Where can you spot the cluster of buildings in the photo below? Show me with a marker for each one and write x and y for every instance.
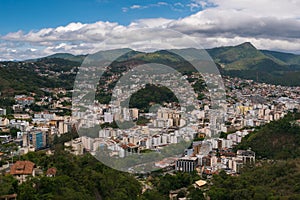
(248, 104)
(34, 130)
(209, 160)
(35, 136)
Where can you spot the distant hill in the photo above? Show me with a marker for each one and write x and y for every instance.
(288, 58)
(63, 56)
(68, 56)
(245, 57)
(29, 76)
(244, 61)
(276, 140)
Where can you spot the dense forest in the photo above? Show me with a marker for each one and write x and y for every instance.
(276, 140)
(78, 177)
(268, 180)
(151, 94)
(83, 177)
(25, 77)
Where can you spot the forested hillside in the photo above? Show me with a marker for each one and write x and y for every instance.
(276, 140)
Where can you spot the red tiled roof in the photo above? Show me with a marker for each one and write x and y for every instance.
(25, 99)
(22, 168)
(124, 146)
(51, 171)
(131, 145)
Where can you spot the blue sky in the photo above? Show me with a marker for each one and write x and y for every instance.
(37, 28)
(29, 15)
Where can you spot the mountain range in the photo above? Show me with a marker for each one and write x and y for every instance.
(241, 57)
(244, 61)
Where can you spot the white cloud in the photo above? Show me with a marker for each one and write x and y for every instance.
(199, 4)
(178, 4)
(268, 24)
(150, 23)
(135, 6)
(162, 3)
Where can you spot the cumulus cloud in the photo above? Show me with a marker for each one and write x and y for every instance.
(72, 32)
(267, 24)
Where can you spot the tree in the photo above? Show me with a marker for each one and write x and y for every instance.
(13, 132)
(153, 195)
(195, 194)
(9, 185)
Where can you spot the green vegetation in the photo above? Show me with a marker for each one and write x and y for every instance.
(7, 103)
(169, 182)
(8, 185)
(236, 57)
(150, 95)
(109, 125)
(277, 175)
(25, 77)
(83, 177)
(276, 140)
(285, 57)
(72, 134)
(68, 56)
(245, 61)
(78, 177)
(163, 184)
(142, 121)
(13, 132)
(288, 78)
(274, 180)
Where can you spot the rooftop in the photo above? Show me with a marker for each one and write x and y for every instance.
(22, 168)
(51, 171)
(200, 183)
(188, 158)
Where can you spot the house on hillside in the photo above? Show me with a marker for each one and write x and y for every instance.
(9, 197)
(22, 169)
(1, 154)
(4, 122)
(2, 111)
(24, 100)
(51, 172)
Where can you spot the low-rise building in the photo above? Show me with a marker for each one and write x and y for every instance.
(4, 122)
(186, 164)
(22, 169)
(51, 172)
(75, 146)
(247, 156)
(2, 111)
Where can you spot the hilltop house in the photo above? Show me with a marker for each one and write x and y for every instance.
(22, 169)
(4, 122)
(51, 172)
